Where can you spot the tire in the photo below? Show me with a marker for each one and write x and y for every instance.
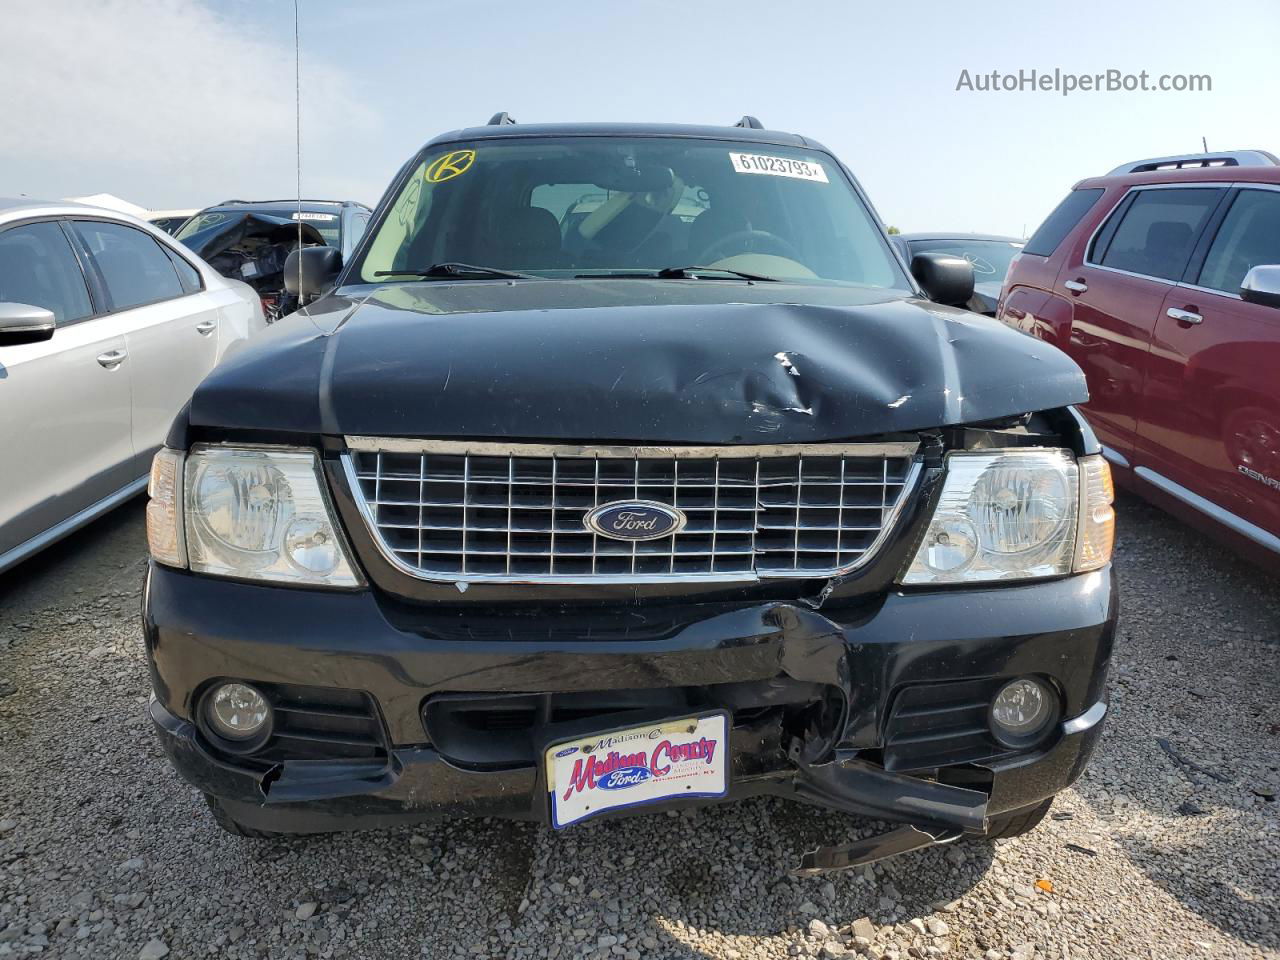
(1018, 822)
(233, 826)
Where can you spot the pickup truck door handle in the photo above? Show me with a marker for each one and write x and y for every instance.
(1187, 317)
(112, 358)
(1076, 286)
(206, 327)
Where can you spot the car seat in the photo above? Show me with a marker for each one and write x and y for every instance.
(528, 239)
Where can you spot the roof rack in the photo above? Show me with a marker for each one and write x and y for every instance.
(502, 119)
(338, 203)
(750, 122)
(1191, 161)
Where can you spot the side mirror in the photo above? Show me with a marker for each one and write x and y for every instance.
(1262, 285)
(23, 323)
(946, 279)
(309, 272)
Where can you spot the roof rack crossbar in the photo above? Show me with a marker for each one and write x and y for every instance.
(749, 122)
(502, 119)
(1193, 161)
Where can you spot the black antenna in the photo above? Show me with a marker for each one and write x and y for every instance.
(297, 113)
(502, 119)
(1204, 143)
(750, 122)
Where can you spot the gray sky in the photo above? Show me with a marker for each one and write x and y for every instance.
(171, 104)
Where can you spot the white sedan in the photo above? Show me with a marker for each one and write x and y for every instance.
(106, 328)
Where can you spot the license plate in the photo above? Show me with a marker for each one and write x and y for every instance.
(645, 764)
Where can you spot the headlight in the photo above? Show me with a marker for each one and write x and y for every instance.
(262, 514)
(1012, 515)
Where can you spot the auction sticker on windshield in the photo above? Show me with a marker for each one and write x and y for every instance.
(778, 167)
(646, 764)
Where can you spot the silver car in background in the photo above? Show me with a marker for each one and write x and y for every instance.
(106, 327)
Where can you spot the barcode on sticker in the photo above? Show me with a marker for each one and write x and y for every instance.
(778, 167)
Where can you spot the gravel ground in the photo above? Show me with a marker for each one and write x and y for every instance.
(104, 853)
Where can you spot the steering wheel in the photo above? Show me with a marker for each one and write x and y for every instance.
(749, 241)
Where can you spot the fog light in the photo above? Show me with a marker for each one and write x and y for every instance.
(1021, 711)
(237, 711)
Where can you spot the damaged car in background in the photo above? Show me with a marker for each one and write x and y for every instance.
(250, 241)
(556, 509)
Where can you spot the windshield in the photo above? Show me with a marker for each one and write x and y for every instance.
(593, 206)
(990, 258)
(168, 224)
(327, 223)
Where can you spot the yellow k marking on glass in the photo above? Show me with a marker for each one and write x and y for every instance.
(451, 165)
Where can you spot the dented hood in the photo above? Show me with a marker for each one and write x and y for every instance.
(681, 361)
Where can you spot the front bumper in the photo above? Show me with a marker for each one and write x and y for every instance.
(835, 676)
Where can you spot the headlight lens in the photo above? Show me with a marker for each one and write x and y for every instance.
(261, 513)
(1017, 509)
(1003, 515)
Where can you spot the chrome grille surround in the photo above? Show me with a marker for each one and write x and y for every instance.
(467, 511)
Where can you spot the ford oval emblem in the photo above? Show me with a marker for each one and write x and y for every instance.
(624, 777)
(635, 520)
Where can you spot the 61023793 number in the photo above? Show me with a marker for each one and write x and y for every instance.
(778, 167)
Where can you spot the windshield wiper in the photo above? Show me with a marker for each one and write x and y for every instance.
(682, 273)
(677, 273)
(452, 268)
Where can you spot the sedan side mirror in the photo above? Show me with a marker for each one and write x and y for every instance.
(23, 323)
(1262, 285)
(311, 271)
(946, 279)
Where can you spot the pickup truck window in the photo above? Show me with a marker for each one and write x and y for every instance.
(572, 207)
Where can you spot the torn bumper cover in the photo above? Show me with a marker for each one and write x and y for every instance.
(815, 701)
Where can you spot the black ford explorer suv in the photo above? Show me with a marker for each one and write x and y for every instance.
(627, 467)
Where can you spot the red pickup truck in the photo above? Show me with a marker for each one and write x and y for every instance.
(1162, 281)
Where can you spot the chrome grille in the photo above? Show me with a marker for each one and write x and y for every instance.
(458, 510)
